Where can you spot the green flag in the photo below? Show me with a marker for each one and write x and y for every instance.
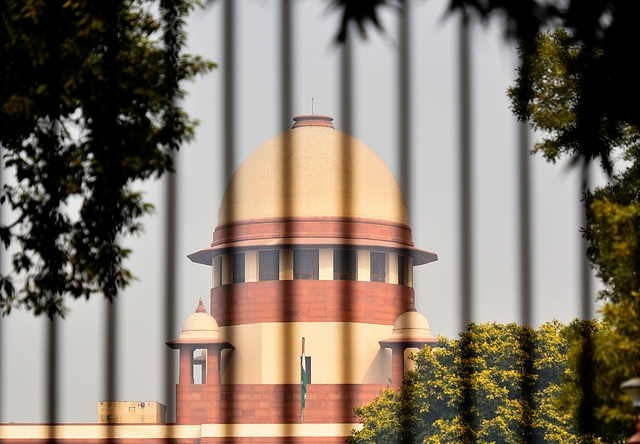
(303, 381)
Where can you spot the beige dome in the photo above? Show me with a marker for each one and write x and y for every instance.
(411, 325)
(200, 325)
(313, 171)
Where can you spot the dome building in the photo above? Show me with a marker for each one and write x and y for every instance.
(313, 241)
(312, 274)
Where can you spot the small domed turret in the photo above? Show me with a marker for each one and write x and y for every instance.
(200, 325)
(412, 325)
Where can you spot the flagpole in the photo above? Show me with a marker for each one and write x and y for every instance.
(303, 382)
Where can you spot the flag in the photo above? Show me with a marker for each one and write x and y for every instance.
(303, 381)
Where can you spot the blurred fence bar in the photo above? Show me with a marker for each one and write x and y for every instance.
(229, 98)
(585, 270)
(404, 100)
(52, 372)
(466, 176)
(526, 301)
(171, 215)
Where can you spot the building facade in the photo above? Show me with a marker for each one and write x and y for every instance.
(313, 245)
(312, 242)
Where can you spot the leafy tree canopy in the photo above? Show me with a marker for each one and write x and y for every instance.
(549, 95)
(87, 107)
(577, 86)
(427, 408)
(607, 29)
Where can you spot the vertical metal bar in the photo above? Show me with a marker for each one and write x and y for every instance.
(2, 253)
(404, 105)
(346, 101)
(229, 143)
(526, 342)
(286, 110)
(229, 90)
(404, 134)
(171, 38)
(286, 65)
(466, 239)
(2, 361)
(111, 342)
(585, 270)
(466, 210)
(170, 287)
(526, 301)
(52, 374)
(346, 87)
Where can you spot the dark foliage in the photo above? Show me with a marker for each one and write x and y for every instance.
(88, 106)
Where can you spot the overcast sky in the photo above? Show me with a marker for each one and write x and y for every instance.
(433, 210)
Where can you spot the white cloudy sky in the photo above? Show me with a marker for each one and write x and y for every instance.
(433, 210)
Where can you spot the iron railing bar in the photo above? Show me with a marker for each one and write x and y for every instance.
(526, 283)
(346, 87)
(2, 253)
(286, 110)
(585, 270)
(466, 177)
(286, 65)
(2, 360)
(52, 374)
(170, 287)
(466, 225)
(229, 57)
(526, 341)
(404, 101)
(346, 115)
(172, 26)
(111, 342)
(229, 147)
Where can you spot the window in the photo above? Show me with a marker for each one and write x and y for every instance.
(377, 267)
(402, 270)
(238, 268)
(269, 265)
(344, 265)
(199, 362)
(305, 264)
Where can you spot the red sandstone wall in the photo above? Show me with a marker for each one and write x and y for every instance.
(270, 403)
(319, 228)
(132, 440)
(309, 301)
(286, 440)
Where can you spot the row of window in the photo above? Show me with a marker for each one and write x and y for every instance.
(199, 367)
(306, 265)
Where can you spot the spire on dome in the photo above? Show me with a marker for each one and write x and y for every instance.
(411, 307)
(200, 308)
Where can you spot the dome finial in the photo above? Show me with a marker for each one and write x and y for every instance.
(313, 120)
(200, 308)
(412, 306)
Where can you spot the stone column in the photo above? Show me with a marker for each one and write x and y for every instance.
(397, 366)
(213, 368)
(186, 365)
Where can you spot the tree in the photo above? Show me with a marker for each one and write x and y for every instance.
(607, 29)
(88, 107)
(548, 94)
(577, 86)
(486, 359)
